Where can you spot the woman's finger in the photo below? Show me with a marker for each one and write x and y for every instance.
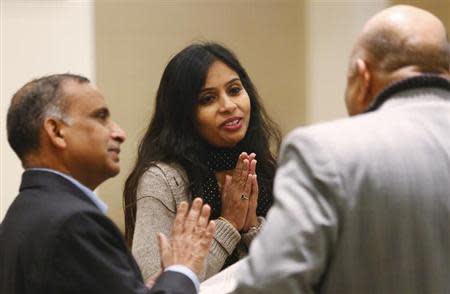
(239, 164)
(226, 187)
(247, 188)
(244, 173)
(255, 191)
(251, 217)
(253, 167)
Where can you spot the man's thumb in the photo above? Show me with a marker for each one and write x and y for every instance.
(164, 250)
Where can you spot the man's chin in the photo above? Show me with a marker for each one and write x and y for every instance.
(113, 170)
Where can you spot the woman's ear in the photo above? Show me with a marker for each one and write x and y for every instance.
(54, 130)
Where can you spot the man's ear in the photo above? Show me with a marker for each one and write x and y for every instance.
(54, 130)
(365, 83)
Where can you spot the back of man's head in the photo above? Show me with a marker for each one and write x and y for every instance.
(402, 36)
(29, 107)
(397, 43)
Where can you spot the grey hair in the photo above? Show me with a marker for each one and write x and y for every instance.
(30, 105)
(57, 110)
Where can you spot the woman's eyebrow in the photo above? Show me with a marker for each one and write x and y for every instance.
(226, 84)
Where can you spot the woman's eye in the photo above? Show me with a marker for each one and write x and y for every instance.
(235, 90)
(205, 99)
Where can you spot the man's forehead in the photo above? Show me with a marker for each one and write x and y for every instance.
(72, 87)
(82, 95)
(76, 89)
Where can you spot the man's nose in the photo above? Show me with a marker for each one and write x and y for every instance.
(118, 134)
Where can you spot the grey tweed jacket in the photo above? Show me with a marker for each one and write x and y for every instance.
(362, 205)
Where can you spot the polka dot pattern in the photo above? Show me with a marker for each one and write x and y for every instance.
(220, 160)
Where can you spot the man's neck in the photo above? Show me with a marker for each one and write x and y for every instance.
(50, 162)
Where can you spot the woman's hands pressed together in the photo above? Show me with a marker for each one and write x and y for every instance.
(240, 194)
(251, 219)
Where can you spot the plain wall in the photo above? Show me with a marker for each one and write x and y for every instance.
(331, 30)
(136, 39)
(38, 38)
(295, 52)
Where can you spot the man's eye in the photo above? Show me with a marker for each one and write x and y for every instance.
(102, 115)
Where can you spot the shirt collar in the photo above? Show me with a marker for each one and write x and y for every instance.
(426, 80)
(88, 192)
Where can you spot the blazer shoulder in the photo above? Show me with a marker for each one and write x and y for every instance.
(347, 137)
(171, 170)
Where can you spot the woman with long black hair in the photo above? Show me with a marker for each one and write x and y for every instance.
(209, 137)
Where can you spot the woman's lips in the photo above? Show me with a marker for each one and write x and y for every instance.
(232, 124)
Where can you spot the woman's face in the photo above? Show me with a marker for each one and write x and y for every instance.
(223, 108)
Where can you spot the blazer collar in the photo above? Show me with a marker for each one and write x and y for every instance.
(40, 179)
(417, 82)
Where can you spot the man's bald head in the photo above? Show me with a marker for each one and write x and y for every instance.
(397, 43)
(405, 36)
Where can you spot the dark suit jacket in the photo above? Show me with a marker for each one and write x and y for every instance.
(54, 239)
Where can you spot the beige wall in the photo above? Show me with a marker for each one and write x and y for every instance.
(295, 51)
(38, 38)
(135, 40)
(331, 29)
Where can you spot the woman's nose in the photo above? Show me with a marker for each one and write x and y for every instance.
(227, 103)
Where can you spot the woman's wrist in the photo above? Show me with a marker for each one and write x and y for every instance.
(255, 227)
(248, 236)
(231, 223)
(254, 224)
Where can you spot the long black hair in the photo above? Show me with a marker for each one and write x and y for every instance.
(172, 136)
